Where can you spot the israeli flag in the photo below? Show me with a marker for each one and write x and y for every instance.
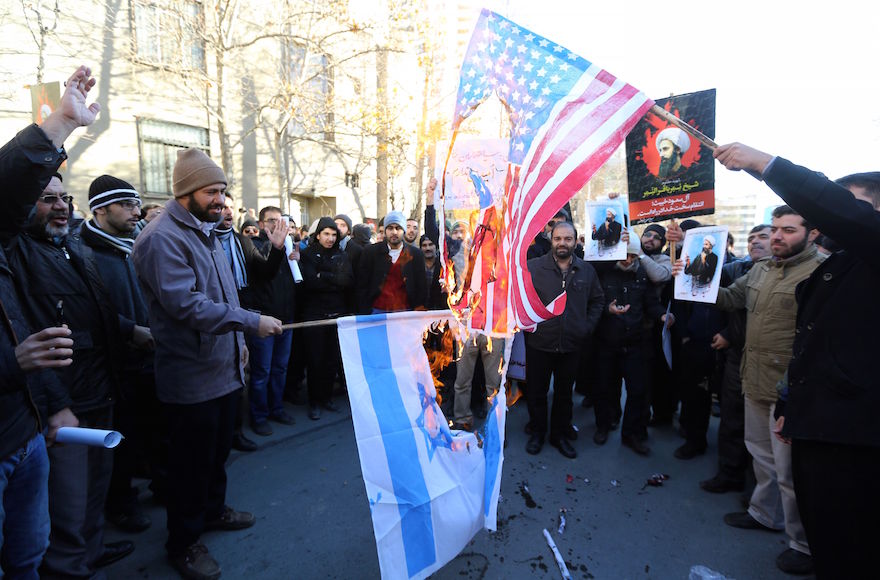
(430, 490)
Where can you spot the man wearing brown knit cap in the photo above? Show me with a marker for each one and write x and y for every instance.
(198, 326)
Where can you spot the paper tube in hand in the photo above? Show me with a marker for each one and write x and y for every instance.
(94, 437)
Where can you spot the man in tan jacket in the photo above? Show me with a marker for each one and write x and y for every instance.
(767, 293)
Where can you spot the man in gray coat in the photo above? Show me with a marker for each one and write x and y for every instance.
(197, 323)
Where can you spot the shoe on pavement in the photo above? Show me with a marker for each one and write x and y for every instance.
(689, 451)
(113, 552)
(745, 521)
(134, 521)
(564, 447)
(636, 445)
(196, 563)
(282, 417)
(536, 442)
(314, 412)
(331, 406)
(571, 432)
(242, 443)
(600, 437)
(261, 428)
(231, 520)
(720, 485)
(796, 563)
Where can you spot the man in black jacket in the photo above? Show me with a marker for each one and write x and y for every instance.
(830, 415)
(55, 269)
(551, 348)
(391, 273)
(115, 205)
(620, 339)
(253, 271)
(29, 390)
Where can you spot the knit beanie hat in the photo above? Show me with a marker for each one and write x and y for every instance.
(249, 222)
(395, 217)
(689, 224)
(107, 189)
(345, 218)
(193, 171)
(326, 222)
(657, 229)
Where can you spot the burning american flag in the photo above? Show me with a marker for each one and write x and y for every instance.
(567, 117)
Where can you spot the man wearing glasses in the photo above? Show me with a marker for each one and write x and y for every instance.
(59, 277)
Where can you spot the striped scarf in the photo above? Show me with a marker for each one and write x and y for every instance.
(235, 254)
(124, 245)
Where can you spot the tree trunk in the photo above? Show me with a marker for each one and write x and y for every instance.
(382, 139)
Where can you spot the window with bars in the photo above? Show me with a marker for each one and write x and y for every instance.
(168, 34)
(159, 142)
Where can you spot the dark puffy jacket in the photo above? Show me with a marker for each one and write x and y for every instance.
(629, 288)
(584, 304)
(328, 279)
(834, 394)
(271, 289)
(121, 282)
(26, 166)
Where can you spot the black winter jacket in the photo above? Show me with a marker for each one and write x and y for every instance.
(26, 166)
(121, 282)
(328, 279)
(584, 304)
(271, 289)
(834, 393)
(629, 288)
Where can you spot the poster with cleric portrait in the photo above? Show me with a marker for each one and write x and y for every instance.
(669, 173)
(703, 256)
(605, 227)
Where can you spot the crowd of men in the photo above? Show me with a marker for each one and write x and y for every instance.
(152, 319)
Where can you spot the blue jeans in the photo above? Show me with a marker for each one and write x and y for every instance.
(24, 511)
(268, 359)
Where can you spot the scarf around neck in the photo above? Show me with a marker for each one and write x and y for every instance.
(124, 245)
(232, 247)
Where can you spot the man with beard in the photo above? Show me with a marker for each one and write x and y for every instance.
(197, 322)
(391, 274)
(346, 233)
(733, 458)
(830, 416)
(254, 269)
(550, 348)
(115, 205)
(412, 231)
(328, 278)
(608, 233)
(671, 143)
(702, 270)
(54, 268)
(767, 293)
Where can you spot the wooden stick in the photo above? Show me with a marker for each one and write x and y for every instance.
(310, 323)
(671, 247)
(669, 117)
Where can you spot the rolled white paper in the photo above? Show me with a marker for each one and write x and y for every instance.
(294, 265)
(84, 436)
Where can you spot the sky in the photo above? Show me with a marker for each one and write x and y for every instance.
(795, 79)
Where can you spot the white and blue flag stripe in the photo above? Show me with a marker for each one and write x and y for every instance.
(430, 490)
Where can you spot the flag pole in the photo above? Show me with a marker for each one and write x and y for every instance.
(669, 117)
(329, 321)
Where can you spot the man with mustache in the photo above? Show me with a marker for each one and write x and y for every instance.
(198, 324)
(116, 207)
(767, 293)
(55, 268)
(671, 143)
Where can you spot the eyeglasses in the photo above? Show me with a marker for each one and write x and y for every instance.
(129, 205)
(52, 199)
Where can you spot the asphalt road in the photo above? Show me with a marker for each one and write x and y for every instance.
(313, 518)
